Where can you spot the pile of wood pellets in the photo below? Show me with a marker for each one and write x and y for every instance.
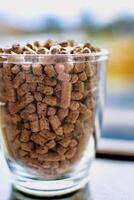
(50, 47)
(48, 110)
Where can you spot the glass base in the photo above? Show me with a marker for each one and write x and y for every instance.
(50, 188)
(33, 185)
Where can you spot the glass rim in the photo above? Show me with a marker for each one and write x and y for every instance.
(54, 58)
(102, 52)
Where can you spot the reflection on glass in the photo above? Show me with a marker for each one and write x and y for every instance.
(83, 194)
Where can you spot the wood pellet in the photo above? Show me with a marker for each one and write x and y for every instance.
(50, 107)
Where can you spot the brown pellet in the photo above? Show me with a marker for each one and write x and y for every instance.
(50, 100)
(48, 135)
(48, 90)
(42, 150)
(15, 69)
(38, 139)
(70, 153)
(51, 111)
(49, 70)
(18, 80)
(65, 142)
(73, 116)
(74, 105)
(35, 126)
(76, 96)
(37, 69)
(79, 67)
(68, 127)
(27, 146)
(62, 113)
(63, 77)
(25, 135)
(59, 68)
(51, 144)
(54, 121)
(66, 94)
(44, 124)
(41, 109)
(38, 96)
(59, 131)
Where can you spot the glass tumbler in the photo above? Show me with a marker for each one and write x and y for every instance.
(51, 110)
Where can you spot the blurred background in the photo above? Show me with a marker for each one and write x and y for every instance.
(104, 23)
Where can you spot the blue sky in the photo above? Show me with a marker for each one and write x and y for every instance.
(102, 10)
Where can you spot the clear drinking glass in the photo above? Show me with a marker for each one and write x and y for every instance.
(51, 113)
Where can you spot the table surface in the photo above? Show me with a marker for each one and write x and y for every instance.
(110, 180)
